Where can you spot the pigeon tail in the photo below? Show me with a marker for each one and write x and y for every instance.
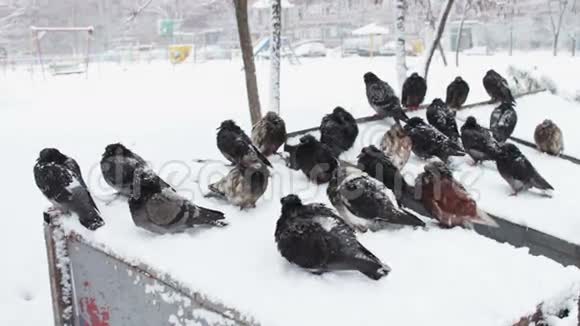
(539, 182)
(484, 219)
(372, 269)
(207, 216)
(91, 219)
(409, 201)
(262, 157)
(405, 217)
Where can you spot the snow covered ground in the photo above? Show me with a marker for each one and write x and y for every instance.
(169, 115)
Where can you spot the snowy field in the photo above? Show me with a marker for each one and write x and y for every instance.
(169, 115)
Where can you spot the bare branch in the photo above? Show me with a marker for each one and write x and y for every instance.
(136, 12)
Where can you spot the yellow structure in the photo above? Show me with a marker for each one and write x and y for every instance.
(179, 53)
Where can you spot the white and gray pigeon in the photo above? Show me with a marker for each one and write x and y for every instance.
(365, 202)
(242, 186)
(382, 98)
(313, 237)
(162, 210)
(443, 119)
(503, 121)
(118, 165)
(59, 179)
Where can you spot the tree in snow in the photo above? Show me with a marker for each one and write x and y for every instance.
(241, 8)
(560, 7)
(275, 42)
(430, 18)
(438, 34)
(400, 8)
(575, 29)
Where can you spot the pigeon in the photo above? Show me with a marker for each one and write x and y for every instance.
(242, 186)
(60, 180)
(457, 93)
(377, 165)
(497, 88)
(314, 158)
(162, 210)
(366, 203)
(338, 130)
(429, 142)
(478, 142)
(269, 133)
(236, 146)
(503, 121)
(118, 165)
(548, 137)
(447, 199)
(382, 98)
(414, 90)
(515, 168)
(396, 145)
(313, 237)
(442, 118)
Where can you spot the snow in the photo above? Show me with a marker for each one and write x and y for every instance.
(169, 117)
(371, 29)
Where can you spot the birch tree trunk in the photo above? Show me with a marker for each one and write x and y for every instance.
(460, 32)
(245, 37)
(400, 50)
(275, 43)
(438, 34)
(557, 27)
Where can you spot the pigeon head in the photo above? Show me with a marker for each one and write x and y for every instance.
(414, 122)
(437, 168)
(458, 79)
(308, 139)
(52, 155)
(290, 203)
(371, 150)
(397, 131)
(510, 151)
(414, 75)
(229, 125)
(339, 111)
(116, 149)
(370, 78)
(547, 123)
(491, 72)
(272, 117)
(145, 182)
(471, 122)
(438, 102)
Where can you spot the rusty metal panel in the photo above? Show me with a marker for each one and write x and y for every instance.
(93, 288)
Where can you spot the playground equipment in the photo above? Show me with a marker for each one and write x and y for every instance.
(62, 67)
(262, 50)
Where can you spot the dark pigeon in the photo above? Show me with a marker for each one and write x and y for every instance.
(429, 142)
(269, 133)
(457, 93)
(447, 200)
(242, 186)
(118, 165)
(478, 142)
(338, 130)
(315, 159)
(163, 210)
(382, 98)
(517, 170)
(366, 203)
(377, 165)
(443, 119)
(60, 180)
(414, 90)
(236, 146)
(497, 88)
(503, 121)
(315, 238)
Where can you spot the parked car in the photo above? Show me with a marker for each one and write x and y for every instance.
(214, 52)
(310, 49)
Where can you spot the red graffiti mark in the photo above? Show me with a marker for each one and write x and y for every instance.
(97, 316)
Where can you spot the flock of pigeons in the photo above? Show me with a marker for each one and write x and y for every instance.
(369, 195)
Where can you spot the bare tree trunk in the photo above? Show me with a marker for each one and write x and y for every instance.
(248, 58)
(400, 50)
(275, 42)
(556, 28)
(438, 34)
(460, 32)
(511, 50)
(432, 24)
(574, 46)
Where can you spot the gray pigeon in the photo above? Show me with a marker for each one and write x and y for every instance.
(162, 210)
(313, 237)
(365, 202)
(269, 133)
(382, 98)
(503, 121)
(59, 179)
